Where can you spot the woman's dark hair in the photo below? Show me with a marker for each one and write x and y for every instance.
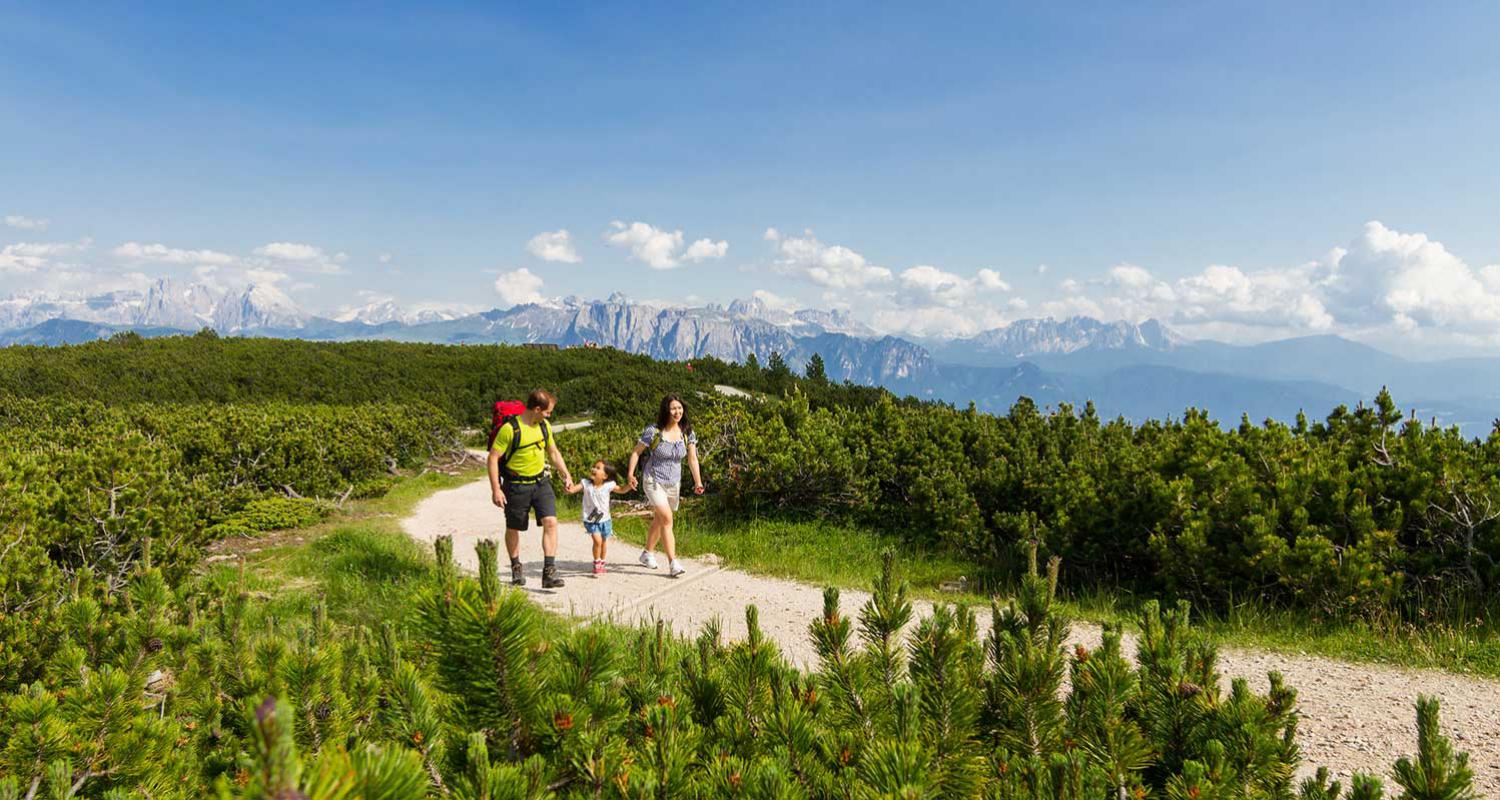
(609, 470)
(664, 415)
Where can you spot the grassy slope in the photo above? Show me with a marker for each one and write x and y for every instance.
(360, 562)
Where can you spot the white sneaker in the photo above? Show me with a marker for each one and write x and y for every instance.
(648, 559)
(675, 569)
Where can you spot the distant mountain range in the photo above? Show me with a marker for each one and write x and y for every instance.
(1135, 370)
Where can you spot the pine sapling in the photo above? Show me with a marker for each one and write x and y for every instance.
(1438, 773)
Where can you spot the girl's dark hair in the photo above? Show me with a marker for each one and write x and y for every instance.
(664, 415)
(609, 470)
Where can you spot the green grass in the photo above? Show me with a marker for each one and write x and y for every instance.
(848, 556)
(813, 551)
(360, 564)
(364, 567)
(1472, 647)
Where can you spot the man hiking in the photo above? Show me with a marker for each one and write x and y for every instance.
(524, 444)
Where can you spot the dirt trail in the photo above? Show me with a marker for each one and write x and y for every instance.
(1355, 717)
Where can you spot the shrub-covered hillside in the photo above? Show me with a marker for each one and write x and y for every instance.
(128, 672)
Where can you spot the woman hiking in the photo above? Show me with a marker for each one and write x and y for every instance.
(665, 446)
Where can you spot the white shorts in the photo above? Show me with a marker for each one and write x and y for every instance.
(661, 494)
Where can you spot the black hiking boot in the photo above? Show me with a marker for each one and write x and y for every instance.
(517, 574)
(550, 579)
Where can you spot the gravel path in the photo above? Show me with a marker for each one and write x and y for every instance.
(1354, 716)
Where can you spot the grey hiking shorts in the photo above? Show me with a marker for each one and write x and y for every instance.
(521, 499)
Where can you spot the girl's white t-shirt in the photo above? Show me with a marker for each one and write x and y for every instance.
(596, 498)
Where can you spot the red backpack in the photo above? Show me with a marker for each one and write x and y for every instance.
(508, 413)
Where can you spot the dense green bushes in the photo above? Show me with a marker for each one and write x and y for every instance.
(85, 486)
(1358, 513)
(193, 691)
(1355, 514)
(459, 380)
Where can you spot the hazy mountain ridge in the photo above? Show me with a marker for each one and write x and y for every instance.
(1136, 370)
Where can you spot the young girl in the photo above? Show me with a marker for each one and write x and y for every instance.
(596, 490)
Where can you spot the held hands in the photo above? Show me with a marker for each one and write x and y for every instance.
(569, 485)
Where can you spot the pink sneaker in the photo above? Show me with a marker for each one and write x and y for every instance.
(598, 567)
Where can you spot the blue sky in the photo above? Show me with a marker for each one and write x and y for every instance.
(1129, 148)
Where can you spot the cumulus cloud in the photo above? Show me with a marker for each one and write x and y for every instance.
(990, 280)
(304, 257)
(1130, 276)
(25, 257)
(26, 223)
(938, 320)
(833, 266)
(774, 302)
(135, 251)
(658, 248)
(1384, 284)
(265, 277)
(519, 287)
(553, 246)
(704, 249)
(928, 285)
(1413, 282)
(922, 300)
(1218, 298)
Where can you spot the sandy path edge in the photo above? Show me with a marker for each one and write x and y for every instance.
(1355, 717)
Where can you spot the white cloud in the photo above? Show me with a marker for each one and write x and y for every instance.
(1383, 285)
(305, 257)
(928, 285)
(135, 251)
(25, 257)
(938, 321)
(519, 287)
(265, 277)
(991, 280)
(553, 246)
(26, 223)
(290, 251)
(704, 249)
(775, 302)
(660, 249)
(384, 258)
(1130, 276)
(1413, 281)
(833, 266)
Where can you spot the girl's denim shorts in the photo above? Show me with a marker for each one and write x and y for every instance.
(603, 529)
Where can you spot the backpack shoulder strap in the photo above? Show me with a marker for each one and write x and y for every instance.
(515, 438)
(546, 436)
(651, 448)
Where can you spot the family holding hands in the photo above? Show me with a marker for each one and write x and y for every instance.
(520, 485)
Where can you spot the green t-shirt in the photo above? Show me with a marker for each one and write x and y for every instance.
(530, 456)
